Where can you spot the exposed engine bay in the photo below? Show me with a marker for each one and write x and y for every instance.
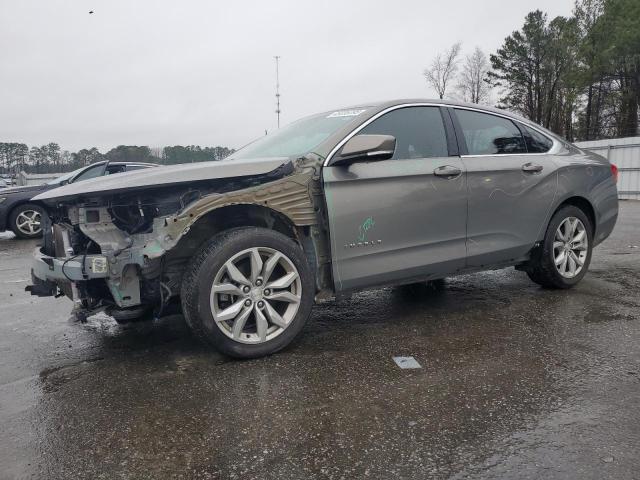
(125, 251)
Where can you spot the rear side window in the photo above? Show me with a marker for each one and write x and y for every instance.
(419, 132)
(487, 134)
(536, 142)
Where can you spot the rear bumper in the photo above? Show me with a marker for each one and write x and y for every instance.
(606, 215)
(605, 228)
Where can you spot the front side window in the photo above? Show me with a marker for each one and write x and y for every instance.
(536, 142)
(419, 132)
(488, 134)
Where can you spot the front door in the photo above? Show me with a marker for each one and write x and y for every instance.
(403, 218)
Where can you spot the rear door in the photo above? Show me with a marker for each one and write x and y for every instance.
(402, 218)
(511, 182)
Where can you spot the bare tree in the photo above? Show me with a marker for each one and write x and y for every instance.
(443, 69)
(472, 85)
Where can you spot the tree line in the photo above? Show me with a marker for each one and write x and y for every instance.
(16, 157)
(578, 76)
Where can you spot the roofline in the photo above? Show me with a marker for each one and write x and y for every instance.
(451, 103)
(124, 163)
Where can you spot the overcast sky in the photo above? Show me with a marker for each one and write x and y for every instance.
(167, 72)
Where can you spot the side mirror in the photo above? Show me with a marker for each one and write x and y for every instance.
(366, 148)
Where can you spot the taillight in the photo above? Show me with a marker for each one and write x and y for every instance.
(614, 172)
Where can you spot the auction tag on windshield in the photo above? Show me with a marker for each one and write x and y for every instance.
(345, 113)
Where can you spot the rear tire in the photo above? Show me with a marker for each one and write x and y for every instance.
(264, 291)
(569, 236)
(26, 221)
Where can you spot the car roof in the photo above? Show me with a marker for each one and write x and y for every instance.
(381, 105)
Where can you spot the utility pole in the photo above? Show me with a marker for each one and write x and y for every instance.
(277, 58)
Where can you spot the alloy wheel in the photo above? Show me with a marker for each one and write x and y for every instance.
(255, 295)
(29, 222)
(570, 247)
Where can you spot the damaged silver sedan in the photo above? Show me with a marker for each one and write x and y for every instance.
(396, 193)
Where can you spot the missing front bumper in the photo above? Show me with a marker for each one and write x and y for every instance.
(65, 272)
(72, 269)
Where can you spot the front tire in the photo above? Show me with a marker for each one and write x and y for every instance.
(564, 256)
(26, 221)
(248, 292)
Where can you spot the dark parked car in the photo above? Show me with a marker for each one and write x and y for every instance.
(20, 215)
(386, 194)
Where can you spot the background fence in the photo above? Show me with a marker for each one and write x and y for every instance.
(625, 153)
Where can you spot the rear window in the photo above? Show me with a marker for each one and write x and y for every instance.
(536, 142)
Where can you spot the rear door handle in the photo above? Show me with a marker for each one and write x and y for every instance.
(532, 167)
(447, 171)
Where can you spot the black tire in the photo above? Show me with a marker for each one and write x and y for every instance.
(202, 269)
(15, 213)
(542, 269)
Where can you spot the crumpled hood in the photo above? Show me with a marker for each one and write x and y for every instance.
(26, 188)
(167, 175)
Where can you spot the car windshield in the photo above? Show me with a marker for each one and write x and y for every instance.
(299, 137)
(64, 178)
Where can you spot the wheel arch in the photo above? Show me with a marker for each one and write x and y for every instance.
(583, 204)
(241, 215)
(244, 215)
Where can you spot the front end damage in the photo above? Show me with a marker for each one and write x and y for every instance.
(125, 251)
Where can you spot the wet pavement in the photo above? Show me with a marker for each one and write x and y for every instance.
(516, 382)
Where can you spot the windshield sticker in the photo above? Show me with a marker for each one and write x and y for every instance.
(345, 113)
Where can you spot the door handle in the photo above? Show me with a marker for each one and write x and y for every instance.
(447, 171)
(532, 168)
